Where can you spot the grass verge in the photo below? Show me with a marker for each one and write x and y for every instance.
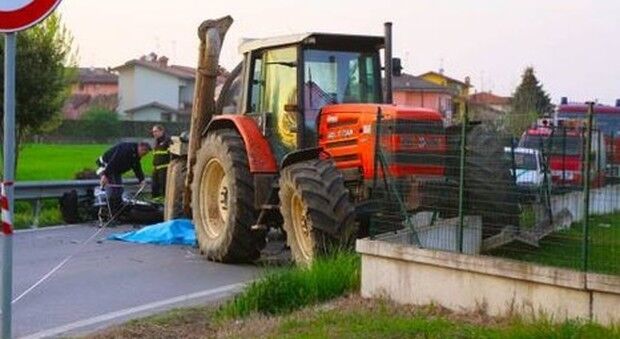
(291, 288)
(354, 317)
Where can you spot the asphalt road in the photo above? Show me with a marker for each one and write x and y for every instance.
(108, 282)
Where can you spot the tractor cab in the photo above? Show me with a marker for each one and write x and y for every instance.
(286, 81)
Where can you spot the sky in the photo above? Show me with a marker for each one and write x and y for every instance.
(573, 45)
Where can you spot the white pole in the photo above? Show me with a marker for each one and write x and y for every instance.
(9, 175)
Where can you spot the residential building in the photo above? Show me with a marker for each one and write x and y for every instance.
(486, 106)
(409, 90)
(460, 89)
(93, 87)
(152, 90)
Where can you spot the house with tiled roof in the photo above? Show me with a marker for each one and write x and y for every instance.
(486, 106)
(151, 89)
(409, 90)
(92, 87)
(459, 89)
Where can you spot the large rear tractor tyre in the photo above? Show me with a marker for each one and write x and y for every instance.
(222, 200)
(175, 182)
(318, 215)
(489, 186)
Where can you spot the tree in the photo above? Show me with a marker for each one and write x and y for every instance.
(45, 69)
(530, 96)
(101, 123)
(529, 102)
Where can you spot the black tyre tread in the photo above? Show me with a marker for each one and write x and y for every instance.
(238, 242)
(490, 189)
(327, 200)
(175, 184)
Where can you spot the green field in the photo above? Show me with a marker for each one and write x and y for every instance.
(565, 249)
(61, 162)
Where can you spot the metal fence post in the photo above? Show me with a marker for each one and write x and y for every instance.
(459, 237)
(586, 188)
(10, 46)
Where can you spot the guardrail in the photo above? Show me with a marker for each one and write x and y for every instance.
(36, 191)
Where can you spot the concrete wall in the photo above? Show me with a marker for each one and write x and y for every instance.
(497, 286)
(604, 200)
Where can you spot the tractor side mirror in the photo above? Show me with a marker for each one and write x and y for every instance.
(397, 67)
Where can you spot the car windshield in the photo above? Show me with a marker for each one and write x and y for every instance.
(524, 161)
(534, 141)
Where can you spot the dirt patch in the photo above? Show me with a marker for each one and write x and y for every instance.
(182, 323)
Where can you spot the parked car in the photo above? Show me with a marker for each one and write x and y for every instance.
(529, 171)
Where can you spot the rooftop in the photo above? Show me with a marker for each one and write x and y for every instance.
(96, 75)
(353, 41)
(463, 83)
(488, 98)
(160, 64)
(408, 82)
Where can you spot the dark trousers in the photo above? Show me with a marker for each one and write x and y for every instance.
(114, 192)
(158, 183)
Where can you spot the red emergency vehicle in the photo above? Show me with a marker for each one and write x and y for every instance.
(563, 146)
(607, 120)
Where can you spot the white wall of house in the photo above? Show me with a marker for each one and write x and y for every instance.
(126, 90)
(140, 86)
(156, 86)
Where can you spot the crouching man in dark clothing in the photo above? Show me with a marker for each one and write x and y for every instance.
(114, 163)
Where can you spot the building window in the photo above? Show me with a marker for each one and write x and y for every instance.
(167, 117)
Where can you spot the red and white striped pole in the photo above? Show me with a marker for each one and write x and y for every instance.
(7, 218)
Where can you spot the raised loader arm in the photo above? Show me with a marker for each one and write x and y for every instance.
(211, 34)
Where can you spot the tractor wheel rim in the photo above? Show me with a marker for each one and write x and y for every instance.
(214, 198)
(302, 228)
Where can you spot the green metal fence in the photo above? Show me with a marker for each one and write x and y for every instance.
(549, 196)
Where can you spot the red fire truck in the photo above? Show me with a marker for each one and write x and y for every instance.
(563, 146)
(607, 120)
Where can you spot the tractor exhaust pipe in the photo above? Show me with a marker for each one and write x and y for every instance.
(389, 67)
(211, 34)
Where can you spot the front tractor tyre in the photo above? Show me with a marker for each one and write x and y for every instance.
(175, 183)
(317, 213)
(222, 200)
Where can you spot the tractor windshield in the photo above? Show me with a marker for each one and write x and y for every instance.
(338, 77)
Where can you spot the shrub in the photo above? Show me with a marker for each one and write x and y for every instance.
(100, 124)
(291, 288)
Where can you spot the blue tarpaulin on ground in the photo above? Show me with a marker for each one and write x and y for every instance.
(173, 232)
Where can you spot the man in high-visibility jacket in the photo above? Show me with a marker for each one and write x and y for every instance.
(161, 159)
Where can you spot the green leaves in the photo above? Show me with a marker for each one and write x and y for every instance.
(45, 70)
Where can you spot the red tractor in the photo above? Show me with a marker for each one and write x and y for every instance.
(292, 143)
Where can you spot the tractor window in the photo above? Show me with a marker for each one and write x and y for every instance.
(335, 77)
(257, 84)
(274, 91)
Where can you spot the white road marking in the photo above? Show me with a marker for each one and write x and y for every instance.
(129, 311)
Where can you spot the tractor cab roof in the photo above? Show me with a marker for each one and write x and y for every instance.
(340, 41)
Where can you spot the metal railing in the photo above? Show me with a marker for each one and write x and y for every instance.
(37, 191)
